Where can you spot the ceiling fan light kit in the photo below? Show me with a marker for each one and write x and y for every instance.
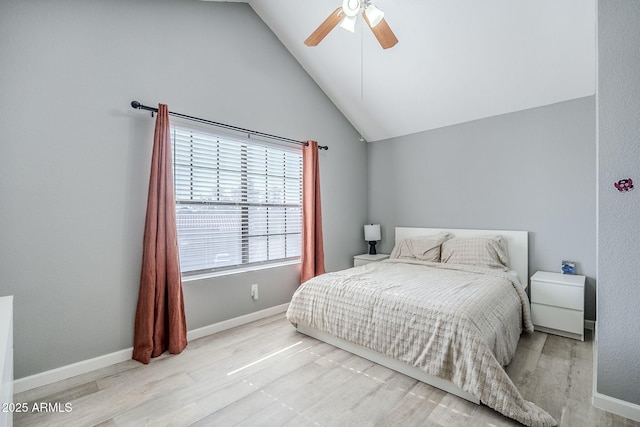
(347, 15)
(351, 7)
(349, 23)
(374, 15)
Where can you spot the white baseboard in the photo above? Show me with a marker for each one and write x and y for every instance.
(84, 366)
(608, 403)
(236, 321)
(68, 371)
(616, 406)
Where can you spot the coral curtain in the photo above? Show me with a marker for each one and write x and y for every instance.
(312, 256)
(160, 323)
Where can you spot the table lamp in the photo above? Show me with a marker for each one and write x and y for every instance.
(372, 235)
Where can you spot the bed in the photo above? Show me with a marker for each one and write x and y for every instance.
(447, 309)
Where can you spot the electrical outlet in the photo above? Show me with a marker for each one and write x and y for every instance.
(254, 291)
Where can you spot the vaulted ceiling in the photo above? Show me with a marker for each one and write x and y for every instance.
(456, 60)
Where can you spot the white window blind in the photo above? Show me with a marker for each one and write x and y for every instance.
(238, 201)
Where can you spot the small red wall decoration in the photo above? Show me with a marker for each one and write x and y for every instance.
(624, 185)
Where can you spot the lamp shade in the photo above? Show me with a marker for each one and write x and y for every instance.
(372, 232)
(349, 23)
(374, 15)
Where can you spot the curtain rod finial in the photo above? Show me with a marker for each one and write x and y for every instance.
(135, 104)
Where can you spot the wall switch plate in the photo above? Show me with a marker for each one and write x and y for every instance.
(254, 291)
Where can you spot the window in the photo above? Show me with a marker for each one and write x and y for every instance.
(238, 201)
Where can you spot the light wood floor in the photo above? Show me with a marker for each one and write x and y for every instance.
(267, 374)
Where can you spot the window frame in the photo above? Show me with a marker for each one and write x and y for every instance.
(245, 205)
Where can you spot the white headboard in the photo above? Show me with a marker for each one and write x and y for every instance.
(517, 244)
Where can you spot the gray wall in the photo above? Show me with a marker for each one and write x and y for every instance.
(618, 370)
(532, 170)
(74, 158)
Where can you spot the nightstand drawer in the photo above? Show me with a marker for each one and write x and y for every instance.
(557, 295)
(557, 318)
(363, 259)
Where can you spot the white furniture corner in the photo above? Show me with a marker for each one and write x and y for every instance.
(366, 259)
(557, 304)
(6, 359)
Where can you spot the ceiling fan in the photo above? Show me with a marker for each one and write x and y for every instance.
(347, 15)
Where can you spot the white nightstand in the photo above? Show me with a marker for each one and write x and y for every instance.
(557, 304)
(366, 259)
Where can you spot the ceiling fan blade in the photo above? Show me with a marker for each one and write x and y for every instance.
(324, 28)
(383, 33)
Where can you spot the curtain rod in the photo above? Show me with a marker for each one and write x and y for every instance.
(139, 106)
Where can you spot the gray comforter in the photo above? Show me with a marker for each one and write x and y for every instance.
(456, 322)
